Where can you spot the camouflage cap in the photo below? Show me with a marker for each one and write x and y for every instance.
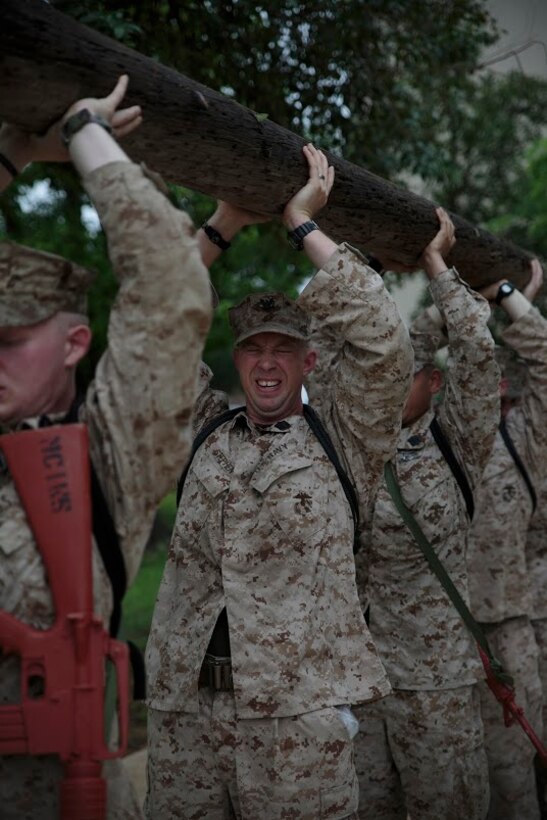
(268, 313)
(35, 284)
(425, 347)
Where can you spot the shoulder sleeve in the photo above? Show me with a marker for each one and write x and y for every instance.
(470, 411)
(139, 406)
(372, 365)
(526, 423)
(209, 403)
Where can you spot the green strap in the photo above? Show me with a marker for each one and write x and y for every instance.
(438, 569)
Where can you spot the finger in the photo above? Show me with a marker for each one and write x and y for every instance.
(317, 164)
(330, 178)
(118, 92)
(312, 150)
(125, 115)
(447, 227)
(537, 270)
(122, 131)
(450, 230)
(323, 166)
(444, 219)
(309, 153)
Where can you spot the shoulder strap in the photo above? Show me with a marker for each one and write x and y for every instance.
(509, 443)
(320, 433)
(498, 680)
(438, 569)
(457, 471)
(105, 534)
(325, 441)
(204, 433)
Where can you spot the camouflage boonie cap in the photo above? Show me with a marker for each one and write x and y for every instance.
(425, 347)
(268, 313)
(35, 285)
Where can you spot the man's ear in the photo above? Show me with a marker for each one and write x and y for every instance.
(77, 344)
(435, 381)
(310, 360)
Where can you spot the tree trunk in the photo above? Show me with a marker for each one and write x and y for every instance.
(199, 138)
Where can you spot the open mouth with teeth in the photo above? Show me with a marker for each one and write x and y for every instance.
(268, 384)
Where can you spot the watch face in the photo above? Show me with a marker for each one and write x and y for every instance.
(504, 290)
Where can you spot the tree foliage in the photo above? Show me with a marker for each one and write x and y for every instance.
(367, 77)
(390, 84)
(482, 174)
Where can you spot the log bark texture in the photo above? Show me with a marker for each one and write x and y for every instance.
(202, 139)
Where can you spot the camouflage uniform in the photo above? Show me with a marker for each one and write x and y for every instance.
(137, 410)
(264, 529)
(536, 561)
(500, 588)
(421, 750)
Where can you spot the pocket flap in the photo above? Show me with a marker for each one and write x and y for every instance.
(214, 476)
(283, 465)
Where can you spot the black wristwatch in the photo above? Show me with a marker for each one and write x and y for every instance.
(78, 120)
(296, 237)
(215, 237)
(505, 289)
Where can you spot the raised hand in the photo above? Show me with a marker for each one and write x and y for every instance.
(314, 195)
(22, 147)
(435, 253)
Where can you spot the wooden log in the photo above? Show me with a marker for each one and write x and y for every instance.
(202, 139)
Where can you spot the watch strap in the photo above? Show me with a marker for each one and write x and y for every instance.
(296, 237)
(215, 237)
(78, 120)
(8, 165)
(504, 290)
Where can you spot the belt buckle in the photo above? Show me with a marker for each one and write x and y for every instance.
(219, 670)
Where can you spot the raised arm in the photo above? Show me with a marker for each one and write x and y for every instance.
(140, 404)
(217, 233)
(372, 368)
(469, 413)
(527, 336)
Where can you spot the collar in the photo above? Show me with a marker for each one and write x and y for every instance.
(34, 423)
(416, 435)
(241, 421)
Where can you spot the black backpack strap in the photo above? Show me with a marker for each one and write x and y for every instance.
(204, 433)
(509, 443)
(325, 441)
(105, 534)
(457, 471)
(108, 544)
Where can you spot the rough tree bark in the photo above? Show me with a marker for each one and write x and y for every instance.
(199, 138)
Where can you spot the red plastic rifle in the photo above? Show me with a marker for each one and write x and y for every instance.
(61, 709)
(512, 712)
